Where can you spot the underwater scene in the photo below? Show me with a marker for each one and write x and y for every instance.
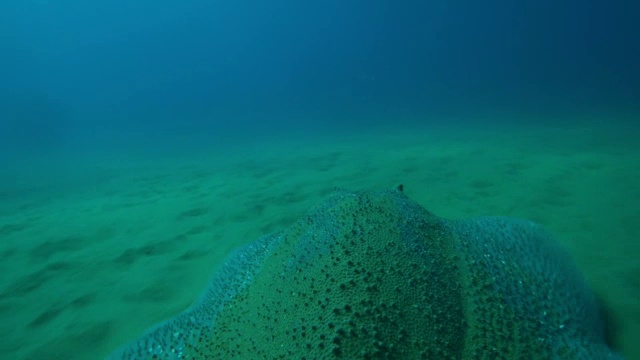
(319, 179)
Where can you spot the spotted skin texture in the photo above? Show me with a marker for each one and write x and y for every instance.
(376, 276)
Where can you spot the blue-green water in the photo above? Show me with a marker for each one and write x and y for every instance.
(141, 142)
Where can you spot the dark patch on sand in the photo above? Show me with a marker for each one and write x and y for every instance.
(6, 254)
(76, 345)
(8, 229)
(46, 316)
(83, 300)
(194, 212)
(59, 266)
(50, 248)
(27, 284)
(196, 230)
(156, 292)
(193, 254)
(131, 255)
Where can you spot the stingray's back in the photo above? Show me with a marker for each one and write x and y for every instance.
(375, 276)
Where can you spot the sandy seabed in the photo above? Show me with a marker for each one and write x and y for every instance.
(90, 259)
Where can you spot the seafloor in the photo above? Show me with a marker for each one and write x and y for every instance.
(96, 249)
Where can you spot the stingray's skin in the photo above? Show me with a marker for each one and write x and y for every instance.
(375, 276)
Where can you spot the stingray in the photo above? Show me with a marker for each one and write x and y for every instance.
(374, 275)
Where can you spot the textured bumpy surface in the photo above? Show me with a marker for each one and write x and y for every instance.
(375, 276)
